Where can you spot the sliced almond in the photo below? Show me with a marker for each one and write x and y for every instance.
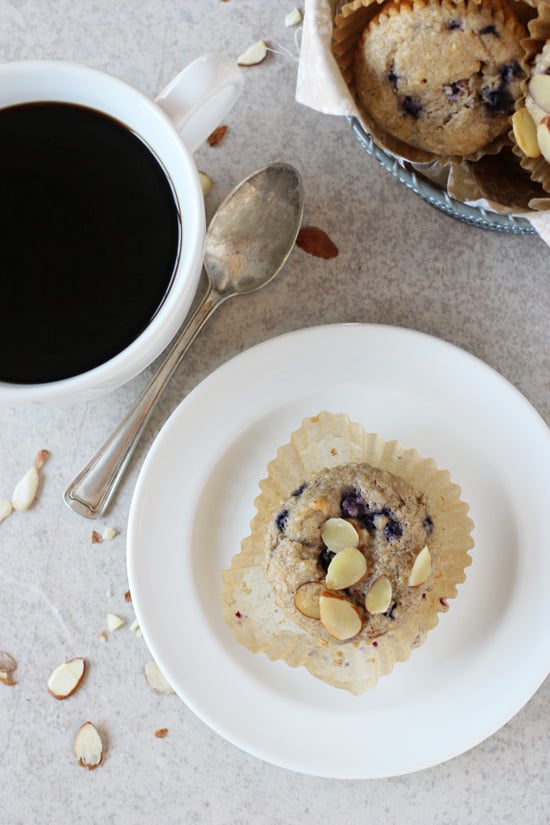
(421, 568)
(161, 733)
(255, 54)
(338, 533)
(88, 747)
(206, 183)
(346, 568)
(114, 622)
(8, 666)
(66, 678)
(379, 595)
(525, 133)
(293, 18)
(109, 533)
(306, 599)
(543, 140)
(6, 509)
(539, 89)
(156, 679)
(316, 242)
(25, 491)
(339, 617)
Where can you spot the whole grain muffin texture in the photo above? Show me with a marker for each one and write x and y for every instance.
(392, 523)
(441, 76)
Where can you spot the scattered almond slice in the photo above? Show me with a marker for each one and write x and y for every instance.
(88, 747)
(316, 242)
(217, 135)
(338, 533)
(378, 598)
(255, 54)
(340, 617)
(161, 733)
(525, 133)
(206, 183)
(96, 537)
(26, 489)
(306, 599)
(127, 596)
(65, 679)
(539, 89)
(109, 533)
(293, 18)
(134, 626)
(421, 568)
(102, 636)
(8, 666)
(156, 679)
(114, 622)
(346, 568)
(6, 509)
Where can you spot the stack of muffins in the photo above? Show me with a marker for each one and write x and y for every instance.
(453, 82)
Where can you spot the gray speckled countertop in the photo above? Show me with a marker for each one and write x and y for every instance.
(401, 263)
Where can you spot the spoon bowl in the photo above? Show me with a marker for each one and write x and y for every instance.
(247, 243)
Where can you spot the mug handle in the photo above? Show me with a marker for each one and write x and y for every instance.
(200, 96)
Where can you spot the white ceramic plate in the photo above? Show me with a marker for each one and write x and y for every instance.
(194, 500)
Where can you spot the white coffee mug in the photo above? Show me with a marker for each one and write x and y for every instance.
(172, 126)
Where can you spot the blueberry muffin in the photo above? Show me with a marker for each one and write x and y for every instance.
(355, 547)
(348, 553)
(441, 76)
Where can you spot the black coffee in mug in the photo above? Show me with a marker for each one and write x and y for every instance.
(89, 239)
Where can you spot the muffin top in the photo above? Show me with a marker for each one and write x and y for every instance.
(441, 76)
(350, 553)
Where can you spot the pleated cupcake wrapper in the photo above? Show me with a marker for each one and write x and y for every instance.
(350, 20)
(329, 440)
(539, 34)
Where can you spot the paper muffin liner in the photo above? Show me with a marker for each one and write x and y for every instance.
(249, 608)
(539, 35)
(350, 20)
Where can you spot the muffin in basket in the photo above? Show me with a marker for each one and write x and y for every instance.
(441, 75)
(355, 548)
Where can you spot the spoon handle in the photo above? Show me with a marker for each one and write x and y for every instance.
(91, 491)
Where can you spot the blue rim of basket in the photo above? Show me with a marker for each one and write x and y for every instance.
(437, 197)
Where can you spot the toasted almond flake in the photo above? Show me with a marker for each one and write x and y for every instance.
(66, 678)
(306, 599)
(109, 533)
(316, 242)
(6, 509)
(293, 18)
(255, 54)
(41, 458)
(8, 666)
(525, 133)
(543, 139)
(206, 183)
(127, 596)
(156, 679)
(216, 137)
(421, 568)
(134, 626)
(114, 622)
(7, 662)
(96, 537)
(379, 595)
(161, 733)
(339, 616)
(539, 89)
(88, 747)
(347, 567)
(338, 533)
(102, 636)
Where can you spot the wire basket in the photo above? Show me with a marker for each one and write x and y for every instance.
(435, 195)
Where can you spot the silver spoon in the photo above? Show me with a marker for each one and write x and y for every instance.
(247, 242)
